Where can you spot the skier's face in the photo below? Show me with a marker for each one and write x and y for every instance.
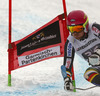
(78, 35)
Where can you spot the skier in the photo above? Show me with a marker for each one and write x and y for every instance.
(84, 40)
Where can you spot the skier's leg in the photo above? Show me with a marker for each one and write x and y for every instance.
(68, 85)
(92, 74)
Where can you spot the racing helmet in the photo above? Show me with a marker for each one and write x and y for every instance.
(77, 18)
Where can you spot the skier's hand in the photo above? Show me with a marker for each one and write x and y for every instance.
(68, 84)
(94, 59)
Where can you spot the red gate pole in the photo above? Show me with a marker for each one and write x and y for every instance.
(73, 79)
(9, 42)
(65, 15)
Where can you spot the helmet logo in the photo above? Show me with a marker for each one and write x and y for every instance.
(72, 20)
(72, 24)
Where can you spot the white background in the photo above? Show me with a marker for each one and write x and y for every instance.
(44, 78)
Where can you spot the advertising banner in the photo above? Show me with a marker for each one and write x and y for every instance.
(49, 35)
(46, 42)
(24, 60)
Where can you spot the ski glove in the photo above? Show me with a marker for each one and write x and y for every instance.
(94, 59)
(68, 84)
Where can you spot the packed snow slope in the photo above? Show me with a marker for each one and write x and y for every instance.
(43, 78)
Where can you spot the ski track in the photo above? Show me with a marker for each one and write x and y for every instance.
(44, 78)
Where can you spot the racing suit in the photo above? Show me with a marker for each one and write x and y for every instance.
(84, 48)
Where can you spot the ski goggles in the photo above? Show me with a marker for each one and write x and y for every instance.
(77, 28)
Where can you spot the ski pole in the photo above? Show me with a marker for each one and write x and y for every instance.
(87, 88)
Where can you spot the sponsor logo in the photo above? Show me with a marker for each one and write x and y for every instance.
(96, 30)
(32, 44)
(72, 20)
(68, 63)
(24, 60)
(69, 50)
(87, 44)
(90, 51)
(38, 36)
(73, 24)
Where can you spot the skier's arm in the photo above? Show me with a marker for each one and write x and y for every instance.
(67, 65)
(96, 29)
(68, 59)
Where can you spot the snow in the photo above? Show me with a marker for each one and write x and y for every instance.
(43, 78)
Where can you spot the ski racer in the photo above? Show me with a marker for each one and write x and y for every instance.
(84, 40)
